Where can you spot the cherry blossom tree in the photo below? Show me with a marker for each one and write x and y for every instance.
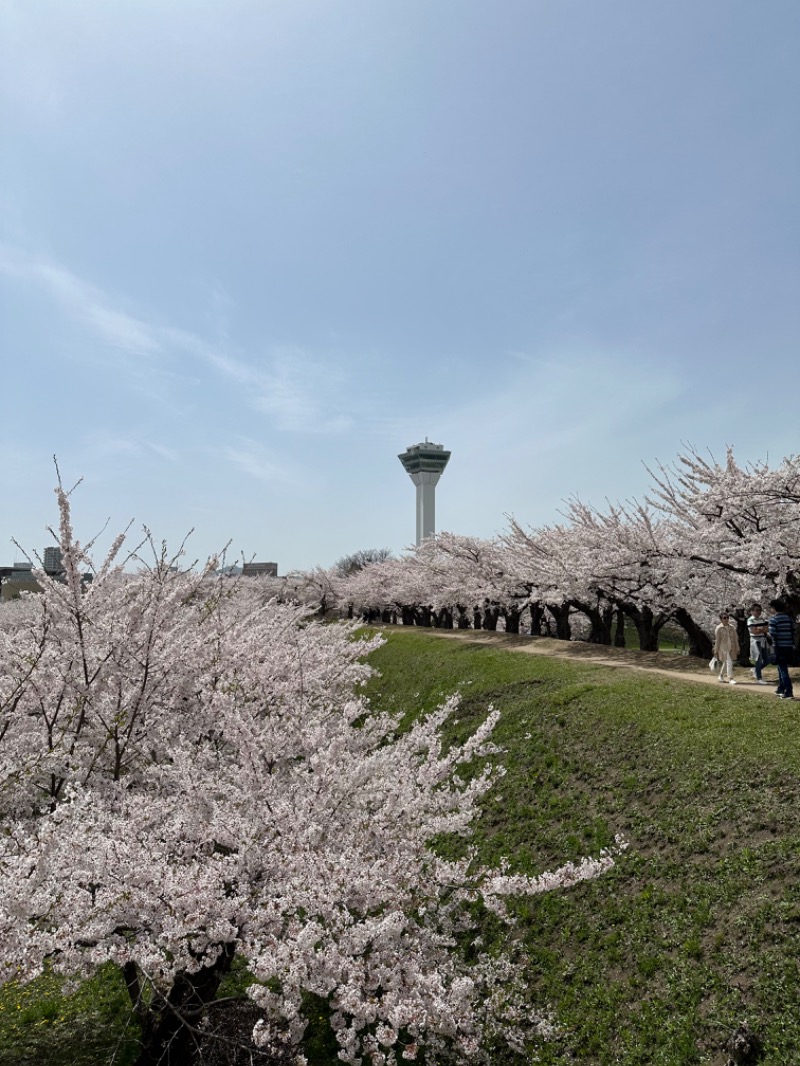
(471, 577)
(550, 561)
(617, 549)
(736, 530)
(190, 773)
(709, 535)
(349, 564)
(743, 520)
(380, 589)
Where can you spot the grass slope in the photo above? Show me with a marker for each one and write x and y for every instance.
(698, 926)
(696, 929)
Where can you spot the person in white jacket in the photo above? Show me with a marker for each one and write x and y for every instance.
(726, 647)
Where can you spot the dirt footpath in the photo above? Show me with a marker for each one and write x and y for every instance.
(671, 664)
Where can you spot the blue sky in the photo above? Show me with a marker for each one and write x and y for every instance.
(252, 250)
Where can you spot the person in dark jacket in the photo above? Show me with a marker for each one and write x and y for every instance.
(781, 631)
(759, 642)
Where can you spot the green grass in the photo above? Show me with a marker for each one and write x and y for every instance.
(41, 1023)
(698, 926)
(696, 929)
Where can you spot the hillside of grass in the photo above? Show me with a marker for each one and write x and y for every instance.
(698, 927)
(695, 930)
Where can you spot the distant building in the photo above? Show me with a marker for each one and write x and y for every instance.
(19, 577)
(259, 569)
(20, 572)
(15, 579)
(53, 561)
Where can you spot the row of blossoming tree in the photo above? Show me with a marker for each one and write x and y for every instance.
(190, 772)
(709, 535)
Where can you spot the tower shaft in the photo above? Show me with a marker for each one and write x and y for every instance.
(424, 464)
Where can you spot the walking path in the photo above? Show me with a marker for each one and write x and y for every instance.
(671, 664)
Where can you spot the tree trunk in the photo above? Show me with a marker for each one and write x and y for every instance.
(561, 614)
(619, 634)
(648, 626)
(537, 617)
(477, 618)
(490, 616)
(700, 643)
(512, 616)
(168, 1022)
(600, 619)
(463, 619)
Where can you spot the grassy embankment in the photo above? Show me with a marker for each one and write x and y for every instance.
(696, 929)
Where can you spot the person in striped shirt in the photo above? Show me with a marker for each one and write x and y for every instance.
(781, 630)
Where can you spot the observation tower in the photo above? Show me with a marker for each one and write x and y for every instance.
(424, 464)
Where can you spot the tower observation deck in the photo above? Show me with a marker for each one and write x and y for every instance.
(424, 463)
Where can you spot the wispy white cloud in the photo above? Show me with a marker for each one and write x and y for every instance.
(303, 393)
(539, 405)
(83, 302)
(300, 393)
(262, 464)
(540, 431)
(111, 445)
(30, 80)
(533, 404)
(170, 454)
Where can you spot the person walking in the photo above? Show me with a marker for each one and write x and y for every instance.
(781, 631)
(758, 629)
(726, 647)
